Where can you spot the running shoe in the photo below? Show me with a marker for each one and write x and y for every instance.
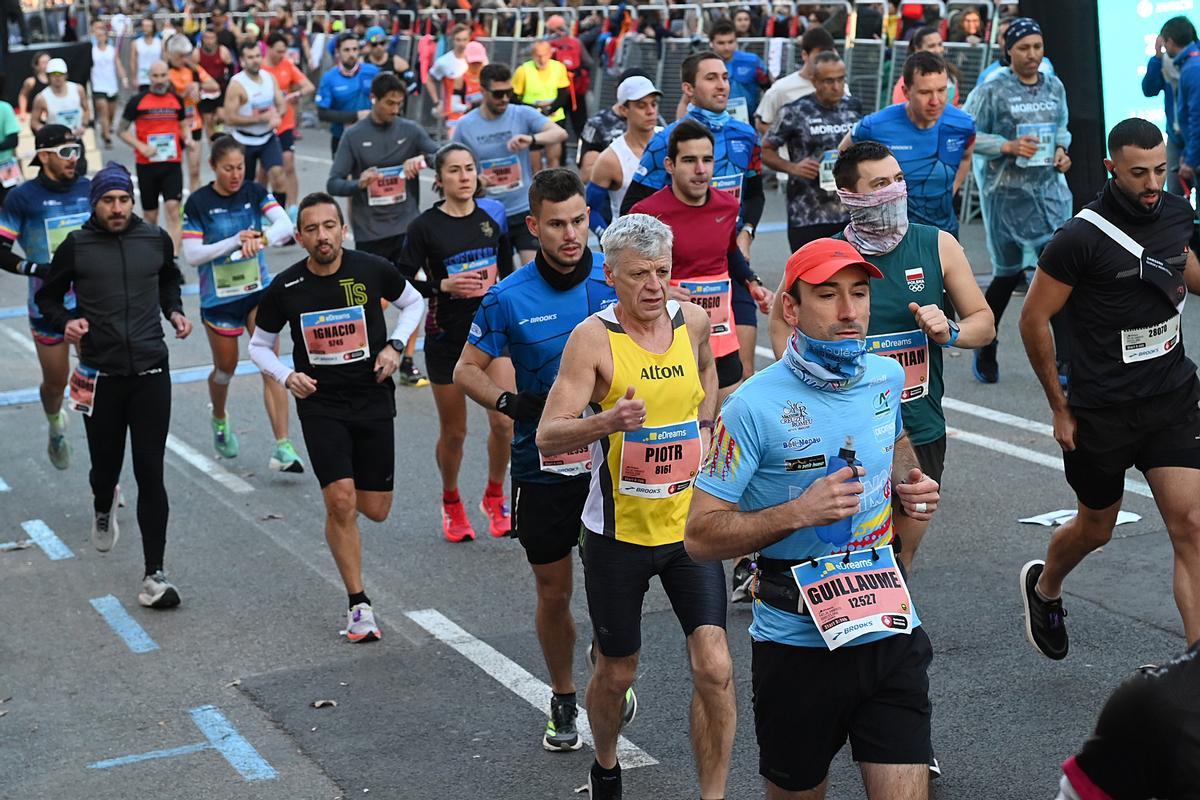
(935, 769)
(360, 624)
(561, 735)
(284, 459)
(986, 368)
(742, 578)
(225, 441)
(1045, 625)
(499, 519)
(604, 787)
(158, 592)
(629, 705)
(58, 448)
(105, 530)
(455, 525)
(410, 375)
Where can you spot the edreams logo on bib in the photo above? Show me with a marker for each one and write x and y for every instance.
(535, 320)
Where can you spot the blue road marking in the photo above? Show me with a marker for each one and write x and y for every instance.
(51, 545)
(220, 735)
(4, 487)
(13, 312)
(125, 626)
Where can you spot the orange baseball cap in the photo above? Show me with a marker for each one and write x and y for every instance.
(821, 259)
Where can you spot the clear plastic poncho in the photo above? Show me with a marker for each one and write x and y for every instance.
(1023, 201)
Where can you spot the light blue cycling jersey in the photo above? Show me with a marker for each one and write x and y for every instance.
(774, 438)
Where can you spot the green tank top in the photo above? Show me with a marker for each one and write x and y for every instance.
(912, 273)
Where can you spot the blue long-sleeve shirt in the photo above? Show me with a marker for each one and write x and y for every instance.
(1153, 82)
(1187, 102)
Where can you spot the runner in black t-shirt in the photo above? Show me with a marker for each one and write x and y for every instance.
(344, 359)
(1147, 742)
(1132, 397)
(462, 245)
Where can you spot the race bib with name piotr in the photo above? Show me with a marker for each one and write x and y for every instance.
(570, 463)
(235, 276)
(661, 461)
(1143, 344)
(729, 183)
(83, 389)
(486, 266)
(58, 228)
(10, 173)
(851, 598)
(828, 159)
(502, 175)
(911, 350)
(164, 145)
(338, 336)
(389, 189)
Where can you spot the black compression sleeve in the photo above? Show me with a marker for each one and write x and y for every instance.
(754, 200)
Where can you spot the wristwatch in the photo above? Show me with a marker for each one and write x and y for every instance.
(398, 344)
(954, 331)
(748, 228)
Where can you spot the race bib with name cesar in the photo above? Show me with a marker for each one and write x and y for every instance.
(851, 597)
(389, 189)
(661, 461)
(338, 336)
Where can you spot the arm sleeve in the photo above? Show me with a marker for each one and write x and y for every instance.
(62, 274)
(734, 455)
(739, 270)
(170, 280)
(262, 353)
(11, 262)
(280, 228)
(754, 200)
(1152, 81)
(197, 252)
(412, 308)
(562, 99)
(10, 142)
(338, 184)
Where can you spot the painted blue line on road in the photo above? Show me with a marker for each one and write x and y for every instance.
(4, 487)
(771, 227)
(153, 754)
(12, 312)
(240, 754)
(51, 545)
(125, 626)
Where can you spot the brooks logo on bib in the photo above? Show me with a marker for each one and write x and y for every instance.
(660, 461)
(335, 337)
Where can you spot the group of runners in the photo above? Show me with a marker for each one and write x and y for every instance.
(619, 378)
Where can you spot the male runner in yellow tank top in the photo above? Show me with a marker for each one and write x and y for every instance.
(645, 373)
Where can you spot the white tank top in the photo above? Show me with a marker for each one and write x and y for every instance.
(104, 70)
(147, 54)
(65, 110)
(629, 164)
(259, 95)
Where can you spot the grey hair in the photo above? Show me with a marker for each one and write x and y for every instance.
(179, 45)
(643, 234)
(826, 57)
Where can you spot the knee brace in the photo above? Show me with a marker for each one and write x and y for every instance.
(221, 377)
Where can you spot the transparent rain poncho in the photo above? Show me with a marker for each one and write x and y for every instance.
(1023, 201)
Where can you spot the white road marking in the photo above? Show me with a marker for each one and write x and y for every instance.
(21, 340)
(1032, 456)
(516, 679)
(209, 467)
(1000, 417)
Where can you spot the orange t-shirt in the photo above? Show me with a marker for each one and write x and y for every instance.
(182, 79)
(287, 77)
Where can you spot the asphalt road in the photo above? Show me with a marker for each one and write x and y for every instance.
(451, 702)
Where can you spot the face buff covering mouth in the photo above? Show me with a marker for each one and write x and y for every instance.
(827, 365)
(878, 220)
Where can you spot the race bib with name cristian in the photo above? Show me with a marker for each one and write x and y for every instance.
(911, 350)
(661, 461)
(851, 596)
(389, 189)
(501, 175)
(338, 336)
(1143, 344)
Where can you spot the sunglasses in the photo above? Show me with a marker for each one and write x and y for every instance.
(503, 94)
(67, 151)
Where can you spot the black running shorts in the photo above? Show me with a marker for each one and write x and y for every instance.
(745, 310)
(362, 449)
(1162, 431)
(545, 516)
(809, 700)
(163, 180)
(617, 576)
(519, 235)
(932, 458)
(441, 356)
(729, 369)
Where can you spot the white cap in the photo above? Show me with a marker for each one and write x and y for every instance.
(635, 88)
(56, 65)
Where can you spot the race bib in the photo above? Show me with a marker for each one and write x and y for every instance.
(573, 462)
(1143, 344)
(828, 159)
(70, 118)
(10, 173)
(165, 148)
(58, 228)
(715, 296)
(389, 189)
(83, 389)
(1045, 133)
(335, 337)
(235, 276)
(739, 109)
(851, 598)
(503, 175)
(486, 266)
(729, 183)
(911, 349)
(660, 462)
